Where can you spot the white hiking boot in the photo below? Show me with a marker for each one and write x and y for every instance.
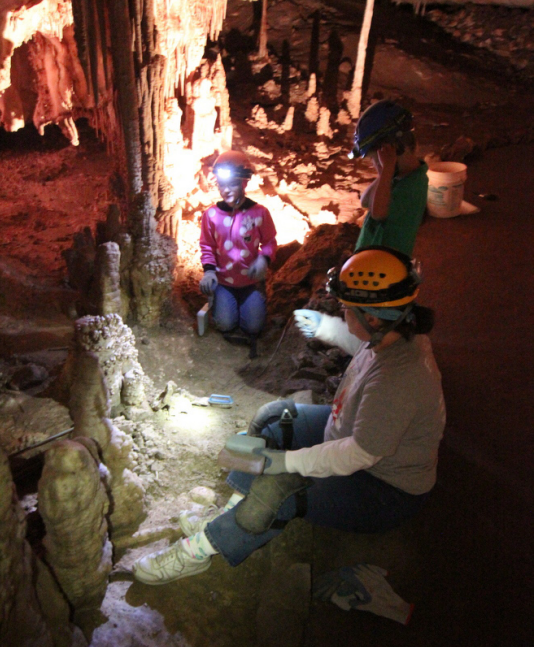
(192, 522)
(168, 565)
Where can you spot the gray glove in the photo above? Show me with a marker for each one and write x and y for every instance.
(258, 269)
(307, 321)
(208, 283)
(275, 460)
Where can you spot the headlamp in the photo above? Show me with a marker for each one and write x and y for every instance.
(223, 173)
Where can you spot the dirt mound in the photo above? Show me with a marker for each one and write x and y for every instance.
(292, 286)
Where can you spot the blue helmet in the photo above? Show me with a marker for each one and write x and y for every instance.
(381, 122)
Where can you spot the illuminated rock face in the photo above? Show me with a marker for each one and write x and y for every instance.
(42, 61)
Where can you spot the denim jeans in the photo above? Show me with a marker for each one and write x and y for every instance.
(359, 502)
(243, 307)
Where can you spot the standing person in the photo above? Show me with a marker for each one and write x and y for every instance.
(397, 198)
(367, 463)
(237, 244)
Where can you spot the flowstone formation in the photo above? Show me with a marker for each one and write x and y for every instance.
(73, 504)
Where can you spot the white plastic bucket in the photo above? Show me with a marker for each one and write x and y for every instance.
(445, 188)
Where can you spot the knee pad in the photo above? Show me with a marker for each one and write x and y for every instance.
(257, 513)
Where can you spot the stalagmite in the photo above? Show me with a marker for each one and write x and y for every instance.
(106, 286)
(89, 408)
(222, 96)
(114, 345)
(323, 125)
(133, 396)
(73, 503)
(312, 110)
(205, 116)
(288, 121)
(312, 86)
(259, 118)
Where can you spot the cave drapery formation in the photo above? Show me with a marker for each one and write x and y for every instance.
(122, 64)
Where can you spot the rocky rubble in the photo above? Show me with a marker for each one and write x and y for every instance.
(507, 32)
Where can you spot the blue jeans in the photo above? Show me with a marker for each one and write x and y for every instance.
(243, 307)
(359, 502)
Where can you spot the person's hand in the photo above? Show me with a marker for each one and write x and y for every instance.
(307, 321)
(275, 460)
(387, 157)
(208, 283)
(258, 269)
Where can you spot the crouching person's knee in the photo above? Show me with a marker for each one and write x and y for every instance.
(262, 508)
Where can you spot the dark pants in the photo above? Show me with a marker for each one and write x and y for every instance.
(358, 502)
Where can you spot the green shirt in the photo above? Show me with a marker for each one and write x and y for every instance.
(406, 209)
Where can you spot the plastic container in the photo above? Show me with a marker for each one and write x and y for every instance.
(445, 188)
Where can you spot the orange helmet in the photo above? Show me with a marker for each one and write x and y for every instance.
(375, 276)
(233, 164)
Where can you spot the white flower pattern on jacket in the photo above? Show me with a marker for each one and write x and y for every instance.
(233, 242)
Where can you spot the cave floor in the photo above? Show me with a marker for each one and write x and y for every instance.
(466, 561)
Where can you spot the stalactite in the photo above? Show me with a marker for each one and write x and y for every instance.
(80, 36)
(102, 30)
(126, 90)
(93, 43)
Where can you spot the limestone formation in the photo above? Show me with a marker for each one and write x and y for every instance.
(127, 491)
(323, 125)
(21, 619)
(205, 115)
(312, 110)
(73, 504)
(258, 118)
(106, 285)
(25, 421)
(288, 121)
(312, 86)
(152, 275)
(114, 345)
(90, 411)
(133, 396)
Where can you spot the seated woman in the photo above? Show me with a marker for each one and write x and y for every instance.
(367, 463)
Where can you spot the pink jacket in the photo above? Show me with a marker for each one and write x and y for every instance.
(230, 243)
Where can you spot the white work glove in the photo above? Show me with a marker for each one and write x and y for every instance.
(362, 587)
(307, 321)
(258, 269)
(208, 283)
(275, 460)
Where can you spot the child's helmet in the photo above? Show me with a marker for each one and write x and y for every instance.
(381, 122)
(375, 276)
(233, 164)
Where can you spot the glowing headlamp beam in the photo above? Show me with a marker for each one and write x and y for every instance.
(223, 173)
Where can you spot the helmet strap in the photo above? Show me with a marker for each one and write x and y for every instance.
(378, 335)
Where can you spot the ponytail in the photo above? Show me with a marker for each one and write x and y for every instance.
(420, 322)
